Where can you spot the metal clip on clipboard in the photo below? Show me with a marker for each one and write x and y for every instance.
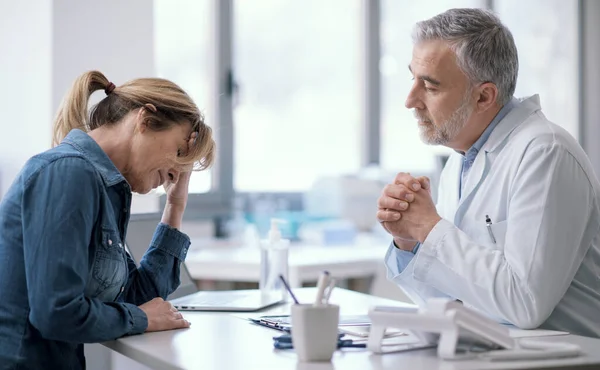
(451, 326)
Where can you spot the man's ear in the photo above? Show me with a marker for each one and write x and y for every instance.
(486, 99)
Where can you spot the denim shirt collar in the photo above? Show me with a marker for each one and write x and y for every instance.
(94, 153)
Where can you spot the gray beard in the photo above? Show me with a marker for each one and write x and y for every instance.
(449, 129)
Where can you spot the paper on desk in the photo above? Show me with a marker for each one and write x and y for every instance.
(522, 333)
(363, 331)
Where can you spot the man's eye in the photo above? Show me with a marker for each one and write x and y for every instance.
(179, 152)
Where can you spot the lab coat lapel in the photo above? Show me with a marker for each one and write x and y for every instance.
(477, 173)
(482, 164)
(524, 109)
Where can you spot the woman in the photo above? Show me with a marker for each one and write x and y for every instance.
(65, 278)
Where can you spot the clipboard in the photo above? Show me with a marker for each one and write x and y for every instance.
(345, 320)
(353, 325)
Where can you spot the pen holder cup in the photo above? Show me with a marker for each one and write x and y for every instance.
(315, 331)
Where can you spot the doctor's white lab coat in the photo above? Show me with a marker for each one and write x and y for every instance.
(537, 186)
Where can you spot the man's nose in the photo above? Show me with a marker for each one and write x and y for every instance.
(413, 100)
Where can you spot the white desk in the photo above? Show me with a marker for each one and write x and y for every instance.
(305, 263)
(223, 341)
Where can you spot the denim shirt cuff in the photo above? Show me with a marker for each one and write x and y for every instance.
(138, 319)
(170, 240)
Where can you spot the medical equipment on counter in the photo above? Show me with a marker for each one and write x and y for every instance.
(274, 252)
(461, 333)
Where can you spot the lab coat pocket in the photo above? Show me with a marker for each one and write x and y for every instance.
(497, 232)
(492, 237)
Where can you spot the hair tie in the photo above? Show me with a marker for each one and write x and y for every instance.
(109, 88)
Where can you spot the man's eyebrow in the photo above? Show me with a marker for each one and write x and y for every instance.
(429, 79)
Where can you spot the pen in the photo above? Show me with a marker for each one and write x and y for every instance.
(488, 223)
(287, 287)
(321, 284)
(329, 289)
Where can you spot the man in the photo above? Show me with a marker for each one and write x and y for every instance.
(515, 232)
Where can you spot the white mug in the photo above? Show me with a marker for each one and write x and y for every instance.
(315, 331)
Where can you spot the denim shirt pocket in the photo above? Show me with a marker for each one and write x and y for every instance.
(109, 269)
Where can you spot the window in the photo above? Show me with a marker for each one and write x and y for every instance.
(401, 146)
(181, 42)
(546, 35)
(298, 107)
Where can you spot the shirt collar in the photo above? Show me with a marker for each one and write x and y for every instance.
(87, 146)
(476, 147)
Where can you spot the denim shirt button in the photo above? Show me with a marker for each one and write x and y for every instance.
(109, 242)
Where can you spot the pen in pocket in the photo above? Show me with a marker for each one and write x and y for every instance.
(488, 223)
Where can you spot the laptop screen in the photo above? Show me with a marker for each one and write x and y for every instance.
(139, 235)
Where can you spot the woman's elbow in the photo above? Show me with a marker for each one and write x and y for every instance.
(49, 327)
(54, 324)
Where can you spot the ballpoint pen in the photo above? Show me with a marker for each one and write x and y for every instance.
(488, 223)
(321, 284)
(287, 287)
(329, 289)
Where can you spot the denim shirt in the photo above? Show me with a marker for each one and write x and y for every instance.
(65, 277)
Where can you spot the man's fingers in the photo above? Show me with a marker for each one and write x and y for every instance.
(412, 183)
(407, 180)
(424, 181)
(392, 204)
(385, 215)
(399, 192)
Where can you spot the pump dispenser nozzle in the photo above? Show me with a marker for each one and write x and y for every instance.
(274, 232)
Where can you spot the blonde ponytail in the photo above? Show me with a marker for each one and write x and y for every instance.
(170, 105)
(73, 111)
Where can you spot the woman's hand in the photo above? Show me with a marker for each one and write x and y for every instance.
(177, 194)
(163, 316)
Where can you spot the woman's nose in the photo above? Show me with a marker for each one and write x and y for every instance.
(173, 176)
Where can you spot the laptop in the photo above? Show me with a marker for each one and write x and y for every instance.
(187, 297)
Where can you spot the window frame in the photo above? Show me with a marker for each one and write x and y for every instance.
(217, 204)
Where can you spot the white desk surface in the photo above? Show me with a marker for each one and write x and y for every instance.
(305, 262)
(224, 341)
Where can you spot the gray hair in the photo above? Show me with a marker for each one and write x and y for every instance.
(485, 49)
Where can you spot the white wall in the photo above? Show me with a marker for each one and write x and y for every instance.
(116, 38)
(25, 84)
(45, 47)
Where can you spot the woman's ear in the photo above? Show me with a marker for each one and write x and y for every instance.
(141, 120)
(150, 107)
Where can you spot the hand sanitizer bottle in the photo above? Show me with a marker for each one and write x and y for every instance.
(274, 262)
